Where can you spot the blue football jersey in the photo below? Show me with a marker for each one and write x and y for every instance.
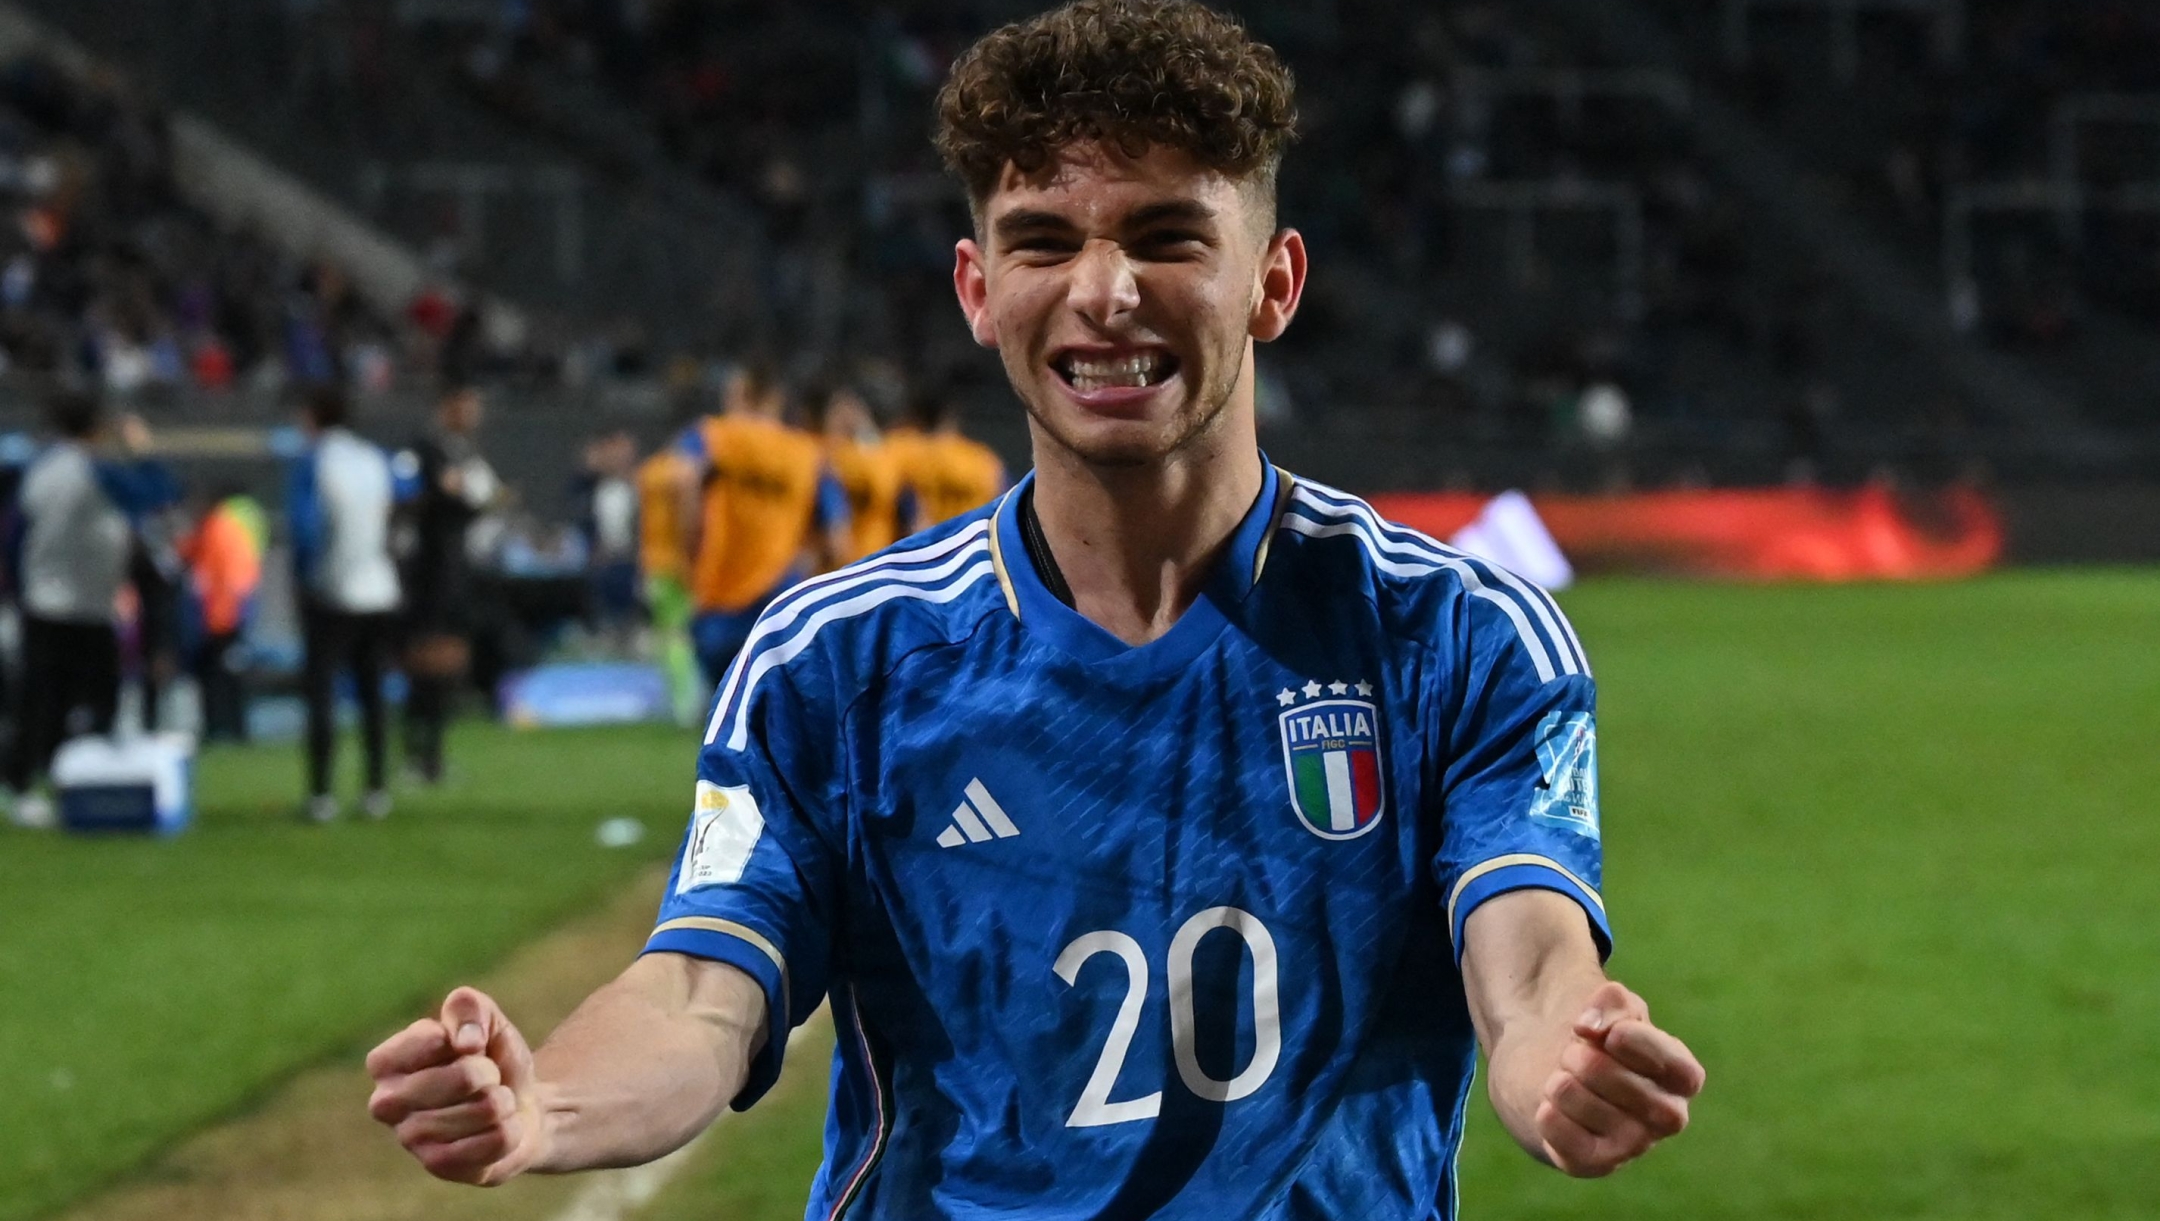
(1117, 932)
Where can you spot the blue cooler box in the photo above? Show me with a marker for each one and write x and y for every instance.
(142, 784)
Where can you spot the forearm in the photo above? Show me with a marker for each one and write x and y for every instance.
(646, 1062)
(1530, 968)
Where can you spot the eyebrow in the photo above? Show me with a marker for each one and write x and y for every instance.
(1028, 220)
(1189, 211)
(1035, 220)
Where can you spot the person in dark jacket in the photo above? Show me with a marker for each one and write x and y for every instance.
(453, 485)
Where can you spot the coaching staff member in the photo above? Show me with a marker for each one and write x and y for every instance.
(453, 484)
(339, 505)
(77, 517)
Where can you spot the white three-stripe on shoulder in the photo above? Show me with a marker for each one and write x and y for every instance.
(1390, 554)
(1472, 585)
(781, 654)
(1414, 542)
(1548, 611)
(789, 606)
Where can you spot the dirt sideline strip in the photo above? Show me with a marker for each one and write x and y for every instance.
(312, 1154)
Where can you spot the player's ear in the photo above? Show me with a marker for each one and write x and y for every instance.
(1282, 285)
(972, 285)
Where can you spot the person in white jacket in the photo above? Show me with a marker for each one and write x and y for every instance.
(75, 522)
(339, 508)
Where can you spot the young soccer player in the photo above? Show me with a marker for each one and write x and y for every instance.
(947, 473)
(767, 512)
(867, 470)
(1167, 836)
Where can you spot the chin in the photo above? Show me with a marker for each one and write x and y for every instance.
(1119, 444)
(1121, 454)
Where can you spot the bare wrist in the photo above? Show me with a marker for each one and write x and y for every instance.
(551, 1113)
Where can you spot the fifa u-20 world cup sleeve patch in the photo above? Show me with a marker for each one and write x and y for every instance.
(1567, 792)
(725, 827)
(1519, 795)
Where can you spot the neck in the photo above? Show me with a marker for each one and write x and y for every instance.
(1136, 543)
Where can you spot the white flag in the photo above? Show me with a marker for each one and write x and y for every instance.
(1509, 532)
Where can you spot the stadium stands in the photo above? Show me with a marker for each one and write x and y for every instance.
(109, 274)
(2013, 154)
(1544, 254)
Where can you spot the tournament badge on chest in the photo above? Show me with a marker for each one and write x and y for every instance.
(1331, 754)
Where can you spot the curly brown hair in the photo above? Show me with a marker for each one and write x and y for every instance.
(1169, 72)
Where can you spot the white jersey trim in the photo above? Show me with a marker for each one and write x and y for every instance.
(790, 605)
(1415, 542)
(781, 654)
(1471, 584)
(1407, 543)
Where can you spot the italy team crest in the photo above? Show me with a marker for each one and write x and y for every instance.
(1331, 750)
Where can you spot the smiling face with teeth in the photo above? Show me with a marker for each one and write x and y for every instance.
(1123, 294)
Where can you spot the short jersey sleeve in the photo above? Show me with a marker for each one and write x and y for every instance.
(756, 878)
(1519, 793)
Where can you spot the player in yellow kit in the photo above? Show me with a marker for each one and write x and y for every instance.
(868, 471)
(905, 444)
(948, 473)
(767, 513)
(664, 565)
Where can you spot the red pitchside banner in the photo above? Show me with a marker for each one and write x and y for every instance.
(1766, 534)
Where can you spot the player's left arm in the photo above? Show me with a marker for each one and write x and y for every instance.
(1578, 1073)
(1582, 1078)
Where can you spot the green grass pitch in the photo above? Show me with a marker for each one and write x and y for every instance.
(1885, 855)
(149, 987)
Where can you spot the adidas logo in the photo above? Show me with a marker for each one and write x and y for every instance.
(978, 818)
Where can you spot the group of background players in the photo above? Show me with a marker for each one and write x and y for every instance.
(743, 504)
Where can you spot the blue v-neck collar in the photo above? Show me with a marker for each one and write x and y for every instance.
(1044, 616)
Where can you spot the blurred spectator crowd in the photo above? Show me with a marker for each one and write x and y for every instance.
(818, 114)
(107, 276)
(1520, 243)
(2064, 97)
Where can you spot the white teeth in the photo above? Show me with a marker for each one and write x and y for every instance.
(1129, 372)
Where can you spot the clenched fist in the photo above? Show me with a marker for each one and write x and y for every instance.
(459, 1091)
(1622, 1086)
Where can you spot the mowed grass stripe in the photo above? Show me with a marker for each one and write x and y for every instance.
(148, 988)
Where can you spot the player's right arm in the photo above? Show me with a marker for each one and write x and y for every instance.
(643, 1065)
(740, 956)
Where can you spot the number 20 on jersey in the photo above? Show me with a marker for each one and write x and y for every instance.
(1095, 1107)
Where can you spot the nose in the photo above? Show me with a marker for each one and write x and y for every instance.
(1103, 287)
